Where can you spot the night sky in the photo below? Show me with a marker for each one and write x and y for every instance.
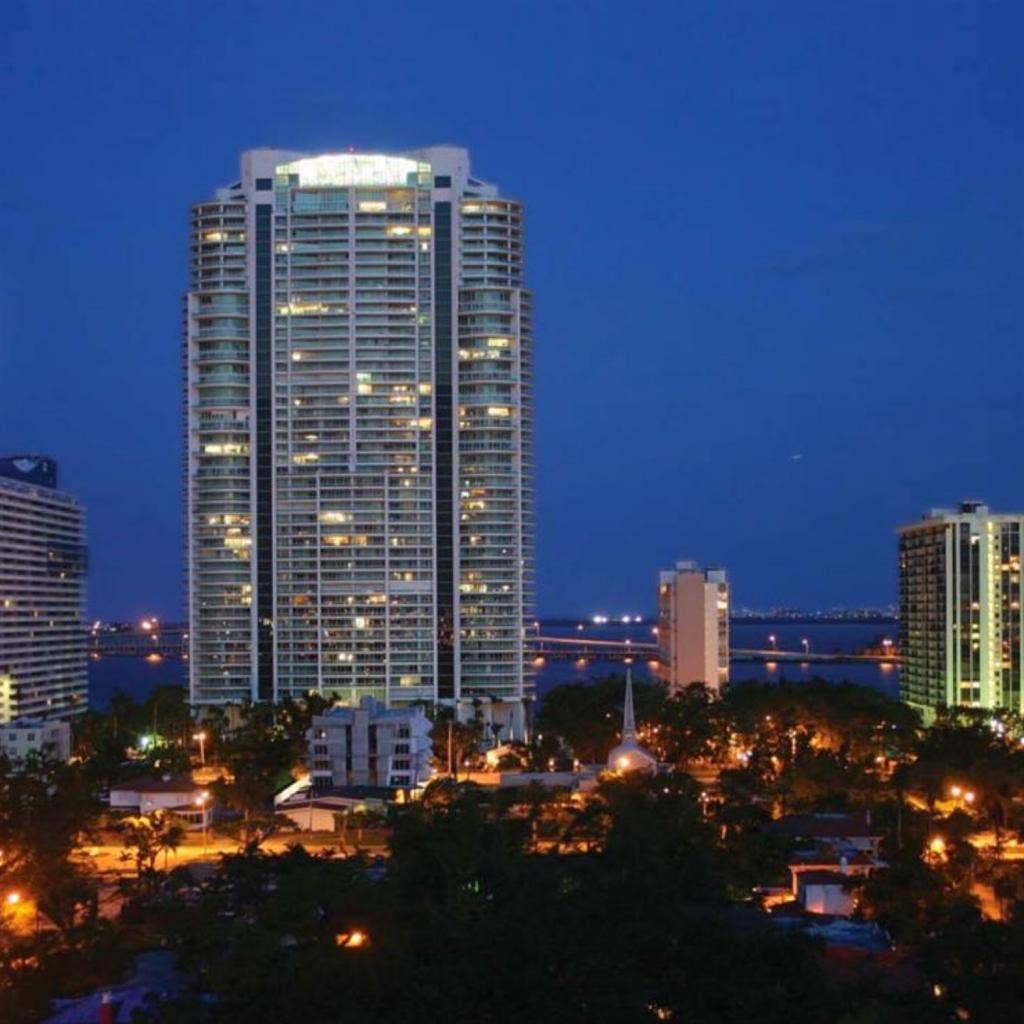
(776, 252)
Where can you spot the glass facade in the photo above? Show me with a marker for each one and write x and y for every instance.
(960, 613)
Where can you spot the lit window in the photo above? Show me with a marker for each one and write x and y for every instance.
(372, 206)
(501, 411)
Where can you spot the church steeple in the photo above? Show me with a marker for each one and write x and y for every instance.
(629, 756)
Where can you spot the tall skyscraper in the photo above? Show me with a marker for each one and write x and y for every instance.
(693, 627)
(359, 404)
(960, 609)
(42, 587)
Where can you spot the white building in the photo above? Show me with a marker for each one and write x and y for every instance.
(25, 736)
(693, 627)
(628, 755)
(960, 610)
(359, 395)
(369, 745)
(180, 795)
(42, 588)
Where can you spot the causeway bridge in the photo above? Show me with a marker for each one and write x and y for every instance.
(171, 640)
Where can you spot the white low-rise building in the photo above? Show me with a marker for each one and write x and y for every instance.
(179, 795)
(369, 745)
(26, 736)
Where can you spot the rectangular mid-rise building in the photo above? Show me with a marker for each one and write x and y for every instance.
(370, 745)
(960, 609)
(42, 590)
(693, 627)
(358, 351)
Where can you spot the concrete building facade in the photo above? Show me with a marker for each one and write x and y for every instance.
(960, 609)
(25, 736)
(693, 626)
(358, 352)
(369, 745)
(42, 592)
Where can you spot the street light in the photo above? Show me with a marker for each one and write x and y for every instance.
(806, 645)
(772, 642)
(13, 898)
(201, 801)
(200, 738)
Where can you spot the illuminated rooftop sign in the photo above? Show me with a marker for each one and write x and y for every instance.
(354, 169)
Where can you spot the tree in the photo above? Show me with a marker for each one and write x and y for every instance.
(145, 836)
(260, 755)
(588, 716)
(46, 810)
(453, 741)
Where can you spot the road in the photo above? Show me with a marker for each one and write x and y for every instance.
(108, 858)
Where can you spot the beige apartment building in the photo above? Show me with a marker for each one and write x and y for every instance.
(693, 626)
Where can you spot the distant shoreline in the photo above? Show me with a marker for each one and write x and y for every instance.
(808, 619)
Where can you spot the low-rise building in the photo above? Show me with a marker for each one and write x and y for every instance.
(822, 891)
(180, 795)
(853, 829)
(831, 849)
(319, 811)
(26, 736)
(369, 745)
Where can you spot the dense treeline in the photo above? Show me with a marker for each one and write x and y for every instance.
(633, 902)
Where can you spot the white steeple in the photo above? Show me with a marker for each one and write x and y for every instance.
(628, 755)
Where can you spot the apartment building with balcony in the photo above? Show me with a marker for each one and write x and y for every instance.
(42, 592)
(960, 609)
(358, 387)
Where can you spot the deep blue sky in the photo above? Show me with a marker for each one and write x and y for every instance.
(756, 231)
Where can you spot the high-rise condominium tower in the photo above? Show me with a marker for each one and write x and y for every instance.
(359, 403)
(42, 587)
(693, 627)
(960, 609)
